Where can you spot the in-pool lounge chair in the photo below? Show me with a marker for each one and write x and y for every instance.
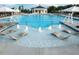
(18, 36)
(13, 37)
(1, 26)
(2, 33)
(70, 32)
(10, 31)
(67, 31)
(22, 34)
(60, 35)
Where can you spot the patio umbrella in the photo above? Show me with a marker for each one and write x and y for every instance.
(6, 9)
(72, 9)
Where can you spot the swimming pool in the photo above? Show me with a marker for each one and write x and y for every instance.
(39, 20)
(36, 20)
(34, 37)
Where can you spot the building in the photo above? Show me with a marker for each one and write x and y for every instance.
(39, 10)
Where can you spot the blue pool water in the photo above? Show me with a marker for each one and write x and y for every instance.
(38, 20)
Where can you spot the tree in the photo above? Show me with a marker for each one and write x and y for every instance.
(26, 11)
(52, 9)
(19, 8)
(64, 7)
(77, 5)
(22, 7)
(13, 8)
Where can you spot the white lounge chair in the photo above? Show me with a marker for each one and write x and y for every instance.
(2, 33)
(22, 34)
(10, 31)
(18, 36)
(70, 32)
(60, 36)
(13, 37)
(67, 31)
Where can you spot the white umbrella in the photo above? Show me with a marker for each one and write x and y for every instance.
(6, 9)
(71, 9)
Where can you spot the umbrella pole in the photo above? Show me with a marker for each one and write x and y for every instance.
(72, 17)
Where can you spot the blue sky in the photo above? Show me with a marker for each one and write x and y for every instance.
(25, 5)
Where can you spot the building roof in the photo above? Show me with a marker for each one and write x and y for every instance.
(39, 7)
(72, 9)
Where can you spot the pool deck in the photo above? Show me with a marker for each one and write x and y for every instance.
(10, 49)
(37, 43)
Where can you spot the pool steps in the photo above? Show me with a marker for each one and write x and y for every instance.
(70, 26)
(8, 27)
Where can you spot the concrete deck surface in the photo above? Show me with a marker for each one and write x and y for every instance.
(11, 49)
(36, 43)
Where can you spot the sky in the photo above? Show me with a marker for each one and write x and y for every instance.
(39, 1)
(28, 6)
